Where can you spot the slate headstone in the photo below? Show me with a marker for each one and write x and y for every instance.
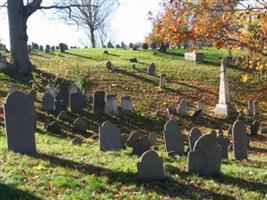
(174, 141)
(151, 70)
(256, 108)
(62, 98)
(80, 125)
(240, 140)
(109, 137)
(201, 106)
(99, 102)
(254, 128)
(126, 104)
(111, 104)
(63, 115)
(141, 145)
(48, 102)
(172, 110)
(133, 137)
(20, 122)
(183, 107)
(224, 142)
(193, 137)
(250, 107)
(76, 102)
(53, 127)
(150, 166)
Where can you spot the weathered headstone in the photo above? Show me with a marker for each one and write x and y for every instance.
(109, 137)
(20, 122)
(62, 98)
(150, 166)
(80, 125)
(256, 108)
(76, 102)
(111, 104)
(193, 137)
(255, 127)
(48, 102)
(151, 69)
(224, 142)
(47, 49)
(133, 137)
(224, 108)
(205, 159)
(126, 104)
(201, 106)
(99, 102)
(152, 137)
(141, 145)
(73, 89)
(162, 81)
(110, 66)
(240, 140)
(183, 107)
(174, 141)
(250, 107)
(172, 110)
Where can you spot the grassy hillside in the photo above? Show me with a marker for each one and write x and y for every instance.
(61, 170)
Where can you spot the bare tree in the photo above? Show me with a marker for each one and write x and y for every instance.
(19, 12)
(92, 18)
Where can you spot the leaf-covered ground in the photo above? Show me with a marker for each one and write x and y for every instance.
(61, 170)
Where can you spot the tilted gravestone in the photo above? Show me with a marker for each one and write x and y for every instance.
(240, 140)
(163, 80)
(250, 107)
(109, 137)
(99, 102)
(255, 127)
(48, 102)
(126, 104)
(151, 69)
(62, 98)
(133, 138)
(80, 125)
(183, 107)
(205, 159)
(172, 110)
(224, 142)
(76, 102)
(201, 106)
(63, 115)
(193, 137)
(20, 122)
(141, 145)
(111, 104)
(174, 141)
(150, 167)
(256, 108)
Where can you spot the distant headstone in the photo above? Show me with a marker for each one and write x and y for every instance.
(133, 137)
(240, 140)
(183, 107)
(172, 110)
(48, 104)
(47, 49)
(151, 70)
(162, 81)
(205, 159)
(109, 137)
(126, 104)
(201, 106)
(256, 108)
(250, 107)
(80, 125)
(99, 102)
(141, 145)
(20, 122)
(254, 128)
(150, 166)
(111, 104)
(224, 142)
(110, 66)
(133, 60)
(193, 56)
(41, 48)
(63, 47)
(193, 137)
(174, 141)
(76, 102)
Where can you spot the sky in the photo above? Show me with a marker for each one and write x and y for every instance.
(128, 24)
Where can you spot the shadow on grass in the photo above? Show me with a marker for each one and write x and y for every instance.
(81, 56)
(10, 193)
(167, 187)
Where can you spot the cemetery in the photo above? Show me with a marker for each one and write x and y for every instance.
(132, 123)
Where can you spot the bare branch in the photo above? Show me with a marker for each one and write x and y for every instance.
(65, 7)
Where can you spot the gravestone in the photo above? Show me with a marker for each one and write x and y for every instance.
(110, 66)
(134, 136)
(205, 159)
(47, 49)
(193, 56)
(162, 81)
(53, 127)
(150, 167)
(250, 107)
(151, 69)
(99, 102)
(111, 104)
(51, 89)
(63, 115)
(224, 143)
(3, 63)
(63, 47)
(256, 108)
(20, 122)
(73, 89)
(173, 138)
(126, 104)
(201, 106)
(224, 107)
(172, 110)
(76, 102)
(193, 137)
(141, 145)
(183, 107)
(13, 88)
(240, 140)
(80, 125)
(62, 98)
(196, 114)
(109, 137)
(255, 127)
(152, 137)
(48, 102)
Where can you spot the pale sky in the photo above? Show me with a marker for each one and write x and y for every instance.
(128, 24)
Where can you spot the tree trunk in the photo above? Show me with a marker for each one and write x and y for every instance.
(92, 33)
(20, 62)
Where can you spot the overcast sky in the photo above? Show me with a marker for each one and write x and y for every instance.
(129, 24)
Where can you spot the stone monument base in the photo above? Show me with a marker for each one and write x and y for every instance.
(225, 110)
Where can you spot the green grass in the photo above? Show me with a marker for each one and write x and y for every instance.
(61, 170)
